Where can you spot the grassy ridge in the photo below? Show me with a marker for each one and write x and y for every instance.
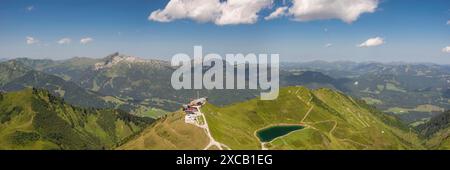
(35, 119)
(334, 122)
(437, 131)
(169, 132)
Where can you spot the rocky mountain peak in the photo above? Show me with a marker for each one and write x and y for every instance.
(116, 58)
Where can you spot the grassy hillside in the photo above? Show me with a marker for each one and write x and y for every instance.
(35, 119)
(17, 75)
(439, 140)
(437, 131)
(71, 93)
(331, 119)
(169, 132)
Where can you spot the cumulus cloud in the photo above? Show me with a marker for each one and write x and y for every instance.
(345, 10)
(229, 12)
(86, 40)
(64, 41)
(31, 40)
(446, 49)
(198, 10)
(328, 45)
(372, 42)
(216, 11)
(279, 12)
(241, 11)
(448, 22)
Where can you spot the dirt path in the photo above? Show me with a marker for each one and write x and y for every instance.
(205, 127)
(332, 129)
(307, 113)
(263, 146)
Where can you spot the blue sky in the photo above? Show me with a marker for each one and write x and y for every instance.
(412, 31)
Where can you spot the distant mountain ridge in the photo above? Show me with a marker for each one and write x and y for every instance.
(141, 81)
(117, 58)
(16, 76)
(405, 89)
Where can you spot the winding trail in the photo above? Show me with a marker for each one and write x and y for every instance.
(307, 113)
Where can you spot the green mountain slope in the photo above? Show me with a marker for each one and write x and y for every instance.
(72, 93)
(169, 132)
(18, 75)
(437, 131)
(331, 120)
(35, 119)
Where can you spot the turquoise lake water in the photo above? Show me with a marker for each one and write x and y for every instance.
(270, 133)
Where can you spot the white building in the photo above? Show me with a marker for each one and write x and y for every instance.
(190, 118)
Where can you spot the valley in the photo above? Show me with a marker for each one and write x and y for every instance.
(337, 105)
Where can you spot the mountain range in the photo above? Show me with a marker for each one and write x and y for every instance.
(354, 106)
(413, 92)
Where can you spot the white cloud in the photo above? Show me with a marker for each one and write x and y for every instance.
(345, 10)
(30, 8)
(448, 22)
(199, 10)
(231, 12)
(64, 41)
(328, 45)
(31, 40)
(241, 11)
(279, 12)
(216, 11)
(372, 42)
(86, 40)
(446, 49)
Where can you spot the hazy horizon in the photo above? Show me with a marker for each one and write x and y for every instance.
(281, 61)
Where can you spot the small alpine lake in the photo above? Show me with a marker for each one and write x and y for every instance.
(272, 132)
